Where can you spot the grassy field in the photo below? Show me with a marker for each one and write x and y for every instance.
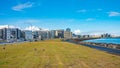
(55, 54)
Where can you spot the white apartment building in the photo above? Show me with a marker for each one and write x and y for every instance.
(10, 34)
(28, 35)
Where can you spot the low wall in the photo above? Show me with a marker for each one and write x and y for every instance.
(108, 45)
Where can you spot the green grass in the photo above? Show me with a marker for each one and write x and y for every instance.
(55, 54)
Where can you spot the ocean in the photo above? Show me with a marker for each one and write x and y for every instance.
(105, 40)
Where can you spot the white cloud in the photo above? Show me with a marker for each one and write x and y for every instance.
(35, 28)
(21, 7)
(111, 14)
(90, 19)
(45, 29)
(77, 32)
(116, 34)
(7, 26)
(83, 10)
(93, 33)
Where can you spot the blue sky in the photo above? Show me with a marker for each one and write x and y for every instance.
(82, 16)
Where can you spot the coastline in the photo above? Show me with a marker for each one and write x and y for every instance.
(109, 48)
(107, 45)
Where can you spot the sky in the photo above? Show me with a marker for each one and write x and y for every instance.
(82, 16)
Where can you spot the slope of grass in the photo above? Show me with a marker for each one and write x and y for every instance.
(55, 54)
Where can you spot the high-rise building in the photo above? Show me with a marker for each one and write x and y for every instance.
(106, 35)
(1, 34)
(68, 33)
(52, 34)
(6, 34)
(36, 35)
(60, 33)
(43, 34)
(68, 29)
(18, 33)
(10, 34)
(28, 35)
(14, 34)
(57, 33)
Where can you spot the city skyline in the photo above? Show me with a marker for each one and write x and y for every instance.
(82, 16)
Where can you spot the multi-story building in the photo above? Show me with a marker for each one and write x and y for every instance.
(68, 29)
(106, 35)
(27, 34)
(44, 34)
(10, 34)
(1, 34)
(68, 34)
(52, 34)
(36, 35)
(14, 34)
(59, 33)
(6, 34)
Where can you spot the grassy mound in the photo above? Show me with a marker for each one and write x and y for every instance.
(55, 54)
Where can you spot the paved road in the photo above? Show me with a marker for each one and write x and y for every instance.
(104, 49)
(12, 43)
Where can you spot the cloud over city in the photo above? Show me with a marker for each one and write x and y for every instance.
(7, 26)
(22, 6)
(77, 32)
